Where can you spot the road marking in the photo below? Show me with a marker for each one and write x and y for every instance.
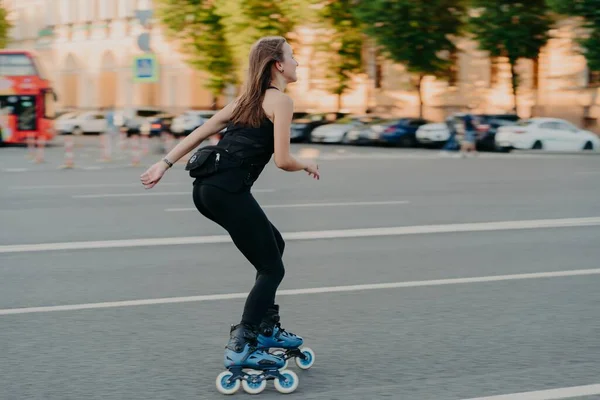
(312, 235)
(94, 185)
(188, 193)
(15, 169)
(301, 205)
(295, 292)
(561, 393)
(587, 173)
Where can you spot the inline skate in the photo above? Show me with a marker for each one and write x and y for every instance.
(250, 367)
(283, 343)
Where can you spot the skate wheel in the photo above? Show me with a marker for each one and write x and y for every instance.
(287, 383)
(308, 362)
(254, 387)
(225, 387)
(281, 353)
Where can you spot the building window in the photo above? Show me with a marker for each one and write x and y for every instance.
(66, 12)
(50, 15)
(536, 73)
(453, 69)
(107, 9)
(493, 72)
(86, 10)
(593, 78)
(127, 8)
(378, 73)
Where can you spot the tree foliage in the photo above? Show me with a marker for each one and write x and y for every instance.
(343, 45)
(249, 20)
(418, 34)
(511, 28)
(5, 26)
(201, 32)
(589, 10)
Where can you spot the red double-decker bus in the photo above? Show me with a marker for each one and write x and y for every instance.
(27, 100)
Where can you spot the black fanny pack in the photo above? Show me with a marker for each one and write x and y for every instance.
(208, 160)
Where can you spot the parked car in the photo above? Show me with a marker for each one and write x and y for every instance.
(437, 134)
(186, 122)
(487, 127)
(433, 134)
(369, 132)
(336, 132)
(303, 124)
(131, 121)
(79, 123)
(402, 132)
(546, 134)
(158, 124)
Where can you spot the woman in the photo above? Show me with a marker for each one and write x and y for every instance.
(258, 125)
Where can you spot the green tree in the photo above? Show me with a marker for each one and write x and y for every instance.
(249, 20)
(343, 46)
(415, 33)
(200, 31)
(5, 27)
(511, 28)
(589, 11)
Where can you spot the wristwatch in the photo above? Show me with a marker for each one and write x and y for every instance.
(169, 163)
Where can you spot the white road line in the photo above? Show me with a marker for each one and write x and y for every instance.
(301, 205)
(561, 393)
(312, 235)
(148, 193)
(93, 185)
(295, 292)
(15, 169)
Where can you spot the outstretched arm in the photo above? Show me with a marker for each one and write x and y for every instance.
(215, 124)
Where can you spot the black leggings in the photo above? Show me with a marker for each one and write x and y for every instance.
(254, 235)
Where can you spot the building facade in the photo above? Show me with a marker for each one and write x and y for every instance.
(88, 47)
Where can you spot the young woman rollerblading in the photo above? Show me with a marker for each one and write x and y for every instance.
(258, 127)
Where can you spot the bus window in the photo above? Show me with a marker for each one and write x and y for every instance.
(16, 65)
(23, 107)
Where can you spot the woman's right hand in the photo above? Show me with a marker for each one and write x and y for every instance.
(313, 170)
(153, 174)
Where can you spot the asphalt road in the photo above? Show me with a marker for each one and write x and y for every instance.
(491, 266)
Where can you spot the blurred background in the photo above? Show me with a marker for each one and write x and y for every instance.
(482, 272)
(169, 63)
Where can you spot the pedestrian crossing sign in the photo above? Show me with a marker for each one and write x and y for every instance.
(145, 68)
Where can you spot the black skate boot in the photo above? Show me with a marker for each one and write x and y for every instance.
(273, 336)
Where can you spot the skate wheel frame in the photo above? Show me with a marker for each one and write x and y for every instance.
(228, 382)
(254, 384)
(282, 354)
(225, 384)
(287, 382)
(306, 359)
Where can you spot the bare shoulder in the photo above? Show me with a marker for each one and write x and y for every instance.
(276, 102)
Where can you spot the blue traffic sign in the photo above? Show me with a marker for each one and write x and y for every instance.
(145, 68)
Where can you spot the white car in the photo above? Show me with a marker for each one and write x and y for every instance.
(336, 132)
(188, 121)
(80, 123)
(546, 133)
(436, 133)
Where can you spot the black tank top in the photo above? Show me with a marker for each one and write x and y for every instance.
(252, 146)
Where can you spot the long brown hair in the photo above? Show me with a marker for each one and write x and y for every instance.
(265, 52)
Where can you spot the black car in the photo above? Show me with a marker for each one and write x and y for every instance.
(304, 123)
(159, 123)
(487, 126)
